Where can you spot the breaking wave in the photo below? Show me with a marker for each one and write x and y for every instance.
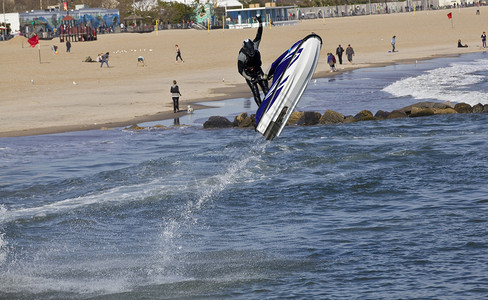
(458, 82)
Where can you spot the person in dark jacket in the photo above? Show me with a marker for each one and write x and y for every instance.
(349, 53)
(339, 52)
(175, 93)
(249, 64)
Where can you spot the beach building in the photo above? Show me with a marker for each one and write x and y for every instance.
(52, 22)
(229, 13)
(232, 14)
(275, 15)
(451, 3)
(214, 13)
(13, 20)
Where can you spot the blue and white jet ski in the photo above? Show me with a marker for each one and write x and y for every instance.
(292, 73)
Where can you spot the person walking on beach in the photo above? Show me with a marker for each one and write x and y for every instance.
(68, 46)
(349, 53)
(175, 93)
(393, 41)
(339, 52)
(483, 39)
(104, 59)
(249, 64)
(331, 61)
(178, 54)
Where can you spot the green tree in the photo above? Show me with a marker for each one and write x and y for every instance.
(174, 12)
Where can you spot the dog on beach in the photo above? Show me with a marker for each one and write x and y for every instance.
(190, 109)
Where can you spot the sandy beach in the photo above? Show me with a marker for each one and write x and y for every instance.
(63, 93)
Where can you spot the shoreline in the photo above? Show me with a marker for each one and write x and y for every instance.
(72, 96)
(241, 91)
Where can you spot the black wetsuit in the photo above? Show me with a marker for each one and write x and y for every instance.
(250, 68)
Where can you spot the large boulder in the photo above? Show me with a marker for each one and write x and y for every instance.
(478, 108)
(463, 108)
(432, 105)
(397, 114)
(445, 111)
(217, 122)
(485, 108)
(247, 122)
(135, 127)
(381, 114)
(331, 117)
(294, 117)
(364, 115)
(242, 120)
(309, 118)
(421, 112)
(239, 118)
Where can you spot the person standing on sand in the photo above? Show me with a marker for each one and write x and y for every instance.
(68, 46)
(178, 54)
(104, 59)
(339, 52)
(393, 41)
(483, 39)
(349, 53)
(175, 93)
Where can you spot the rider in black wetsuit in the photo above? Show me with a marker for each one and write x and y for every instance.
(249, 64)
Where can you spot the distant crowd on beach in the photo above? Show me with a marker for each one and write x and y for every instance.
(331, 59)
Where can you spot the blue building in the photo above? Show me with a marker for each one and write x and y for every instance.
(47, 23)
(276, 15)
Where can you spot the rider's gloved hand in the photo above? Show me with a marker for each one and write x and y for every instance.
(258, 18)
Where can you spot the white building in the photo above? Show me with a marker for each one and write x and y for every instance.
(12, 19)
(444, 3)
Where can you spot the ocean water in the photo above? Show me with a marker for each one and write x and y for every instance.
(393, 209)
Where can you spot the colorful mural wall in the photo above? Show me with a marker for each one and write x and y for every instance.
(204, 13)
(51, 20)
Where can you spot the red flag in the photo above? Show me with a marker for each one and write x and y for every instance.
(33, 41)
(449, 15)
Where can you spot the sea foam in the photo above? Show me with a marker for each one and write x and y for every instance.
(458, 82)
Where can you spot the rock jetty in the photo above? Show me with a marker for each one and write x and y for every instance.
(309, 118)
